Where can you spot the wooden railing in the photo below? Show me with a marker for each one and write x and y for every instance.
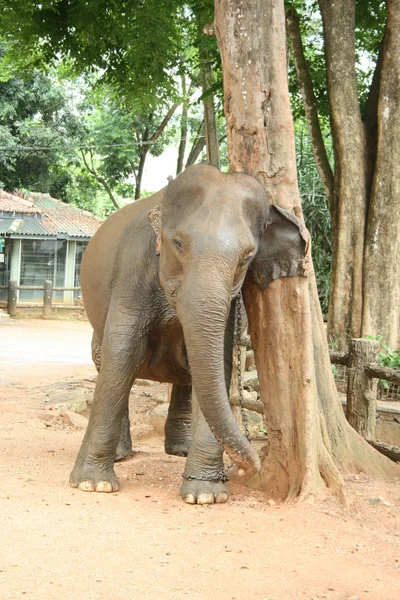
(48, 290)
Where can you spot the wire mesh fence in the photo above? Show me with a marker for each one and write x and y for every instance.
(387, 392)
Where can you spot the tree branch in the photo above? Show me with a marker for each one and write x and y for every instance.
(164, 123)
(310, 105)
(100, 179)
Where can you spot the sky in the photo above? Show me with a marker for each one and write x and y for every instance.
(157, 169)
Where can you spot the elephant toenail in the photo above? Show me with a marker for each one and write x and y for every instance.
(190, 499)
(104, 486)
(86, 486)
(221, 498)
(206, 498)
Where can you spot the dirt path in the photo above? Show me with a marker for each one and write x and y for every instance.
(144, 542)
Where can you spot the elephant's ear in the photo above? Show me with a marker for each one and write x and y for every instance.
(155, 222)
(284, 250)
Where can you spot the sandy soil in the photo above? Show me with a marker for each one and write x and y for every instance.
(144, 542)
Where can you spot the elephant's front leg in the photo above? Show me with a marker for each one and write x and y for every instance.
(121, 357)
(203, 478)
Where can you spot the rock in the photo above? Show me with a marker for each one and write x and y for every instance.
(379, 500)
(158, 416)
(74, 400)
(252, 417)
(251, 382)
(48, 415)
(160, 398)
(145, 382)
(77, 421)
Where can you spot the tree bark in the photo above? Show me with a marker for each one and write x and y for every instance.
(349, 205)
(381, 313)
(309, 437)
(310, 104)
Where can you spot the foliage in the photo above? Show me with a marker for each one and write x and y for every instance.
(387, 357)
(316, 211)
(370, 22)
(36, 127)
(134, 47)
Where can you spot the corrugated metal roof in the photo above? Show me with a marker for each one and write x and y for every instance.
(57, 220)
(17, 227)
(11, 203)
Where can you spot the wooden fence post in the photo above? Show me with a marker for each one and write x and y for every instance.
(12, 298)
(47, 298)
(361, 387)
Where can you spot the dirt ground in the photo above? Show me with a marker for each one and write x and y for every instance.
(144, 542)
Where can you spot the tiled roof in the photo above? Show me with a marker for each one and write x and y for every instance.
(11, 203)
(54, 218)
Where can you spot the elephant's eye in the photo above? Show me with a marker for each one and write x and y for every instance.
(246, 259)
(178, 244)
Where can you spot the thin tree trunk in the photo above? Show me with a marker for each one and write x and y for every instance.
(184, 126)
(210, 121)
(349, 205)
(310, 104)
(139, 174)
(305, 421)
(370, 119)
(206, 74)
(382, 246)
(198, 145)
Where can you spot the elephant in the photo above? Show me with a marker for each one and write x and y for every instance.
(159, 282)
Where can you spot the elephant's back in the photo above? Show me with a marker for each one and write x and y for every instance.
(127, 227)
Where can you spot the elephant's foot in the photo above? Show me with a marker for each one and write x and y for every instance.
(177, 447)
(91, 479)
(194, 491)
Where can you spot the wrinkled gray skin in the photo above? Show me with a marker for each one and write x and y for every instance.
(170, 318)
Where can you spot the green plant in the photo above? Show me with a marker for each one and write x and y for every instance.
(386, 357)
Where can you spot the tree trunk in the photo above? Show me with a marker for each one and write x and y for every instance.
(381, 312)
(310, 104)
(206, 74)
(210, 121)
(309, 437)
(139, 175)
(184, 126)
(198, 145)
(349, 206)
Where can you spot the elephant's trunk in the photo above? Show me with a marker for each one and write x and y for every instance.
(203, 314)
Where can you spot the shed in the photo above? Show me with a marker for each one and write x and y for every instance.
(42, 238)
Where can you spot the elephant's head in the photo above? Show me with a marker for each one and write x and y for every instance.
(215, 229)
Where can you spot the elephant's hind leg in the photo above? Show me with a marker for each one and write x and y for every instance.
(124, 448)
(178, 427)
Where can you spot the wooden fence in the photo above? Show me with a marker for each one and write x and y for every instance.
(48, 290)
(363, 373)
